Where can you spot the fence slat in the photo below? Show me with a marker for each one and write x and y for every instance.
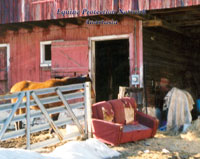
(63, 89)
(38, 113)
(46, 100)
(7, 122)
(53, 141)
(13, 134)
(28, 121)
(70, 111)
(9, 96)
(58, 123)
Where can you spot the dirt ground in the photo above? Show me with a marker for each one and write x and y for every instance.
(163, 146)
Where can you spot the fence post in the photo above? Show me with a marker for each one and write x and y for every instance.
(88, 107)
(28, 137)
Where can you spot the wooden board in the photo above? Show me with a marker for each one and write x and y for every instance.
(70, 57)
(29, 10)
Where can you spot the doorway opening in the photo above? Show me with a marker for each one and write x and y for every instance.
(112, 68)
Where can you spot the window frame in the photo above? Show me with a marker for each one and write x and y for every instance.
(43, 62)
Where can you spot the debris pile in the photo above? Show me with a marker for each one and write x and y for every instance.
(195, 127)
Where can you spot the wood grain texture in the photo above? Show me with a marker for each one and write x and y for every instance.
(28, 10)
(25, 47)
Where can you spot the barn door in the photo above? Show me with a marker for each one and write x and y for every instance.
(69, 58)
(3, 70)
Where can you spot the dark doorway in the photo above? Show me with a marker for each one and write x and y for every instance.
(112, 68)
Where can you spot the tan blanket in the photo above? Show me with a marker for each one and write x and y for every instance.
(179, 104)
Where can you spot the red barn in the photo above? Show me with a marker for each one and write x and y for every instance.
(111, 40)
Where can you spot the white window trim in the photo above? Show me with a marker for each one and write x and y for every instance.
(43, 62)
(8, 53)
(8, 61)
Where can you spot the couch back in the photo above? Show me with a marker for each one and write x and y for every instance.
(121, 111)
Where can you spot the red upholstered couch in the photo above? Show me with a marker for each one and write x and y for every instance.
(119, 130)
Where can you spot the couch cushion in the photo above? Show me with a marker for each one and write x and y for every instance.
(130, 127)
(103, 110)
(129, 111)
(108, 114)
(135, 133)
(118, 108)
(131, 101)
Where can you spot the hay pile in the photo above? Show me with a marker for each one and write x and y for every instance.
(195, 126)
(193, 132)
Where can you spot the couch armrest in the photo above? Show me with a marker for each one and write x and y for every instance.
(107, 132)
(148, 121)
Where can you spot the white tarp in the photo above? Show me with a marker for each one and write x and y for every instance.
(179, 104)
(89, 149)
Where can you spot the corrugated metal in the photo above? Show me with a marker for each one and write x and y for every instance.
(33, 10)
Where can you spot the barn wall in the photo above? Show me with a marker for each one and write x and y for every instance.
(172, 56)
(25, 45)
(12, 11)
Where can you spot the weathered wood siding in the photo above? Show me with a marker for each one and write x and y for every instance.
(32, 10)
(25, 45)
(172, 56)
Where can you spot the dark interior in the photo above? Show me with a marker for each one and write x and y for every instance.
(48, 52)
(171, 51)
(112, 68)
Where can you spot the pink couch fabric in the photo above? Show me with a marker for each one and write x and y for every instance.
(117, 132)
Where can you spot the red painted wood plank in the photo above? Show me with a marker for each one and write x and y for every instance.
(70, 56)
(131, 53)
(159, 4)
(140, 51)
(153, 4)
(166, 4)
(189, 2)
(12, 11)
(1, 12)
(196, 2)
(172, 3)
(3, 16)
(28, 44)
(48, 10)
(7, 11)
(42, 10)
(138, 46)
(28, 15)
(125, 5)
(143, 5)
(178, 3)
